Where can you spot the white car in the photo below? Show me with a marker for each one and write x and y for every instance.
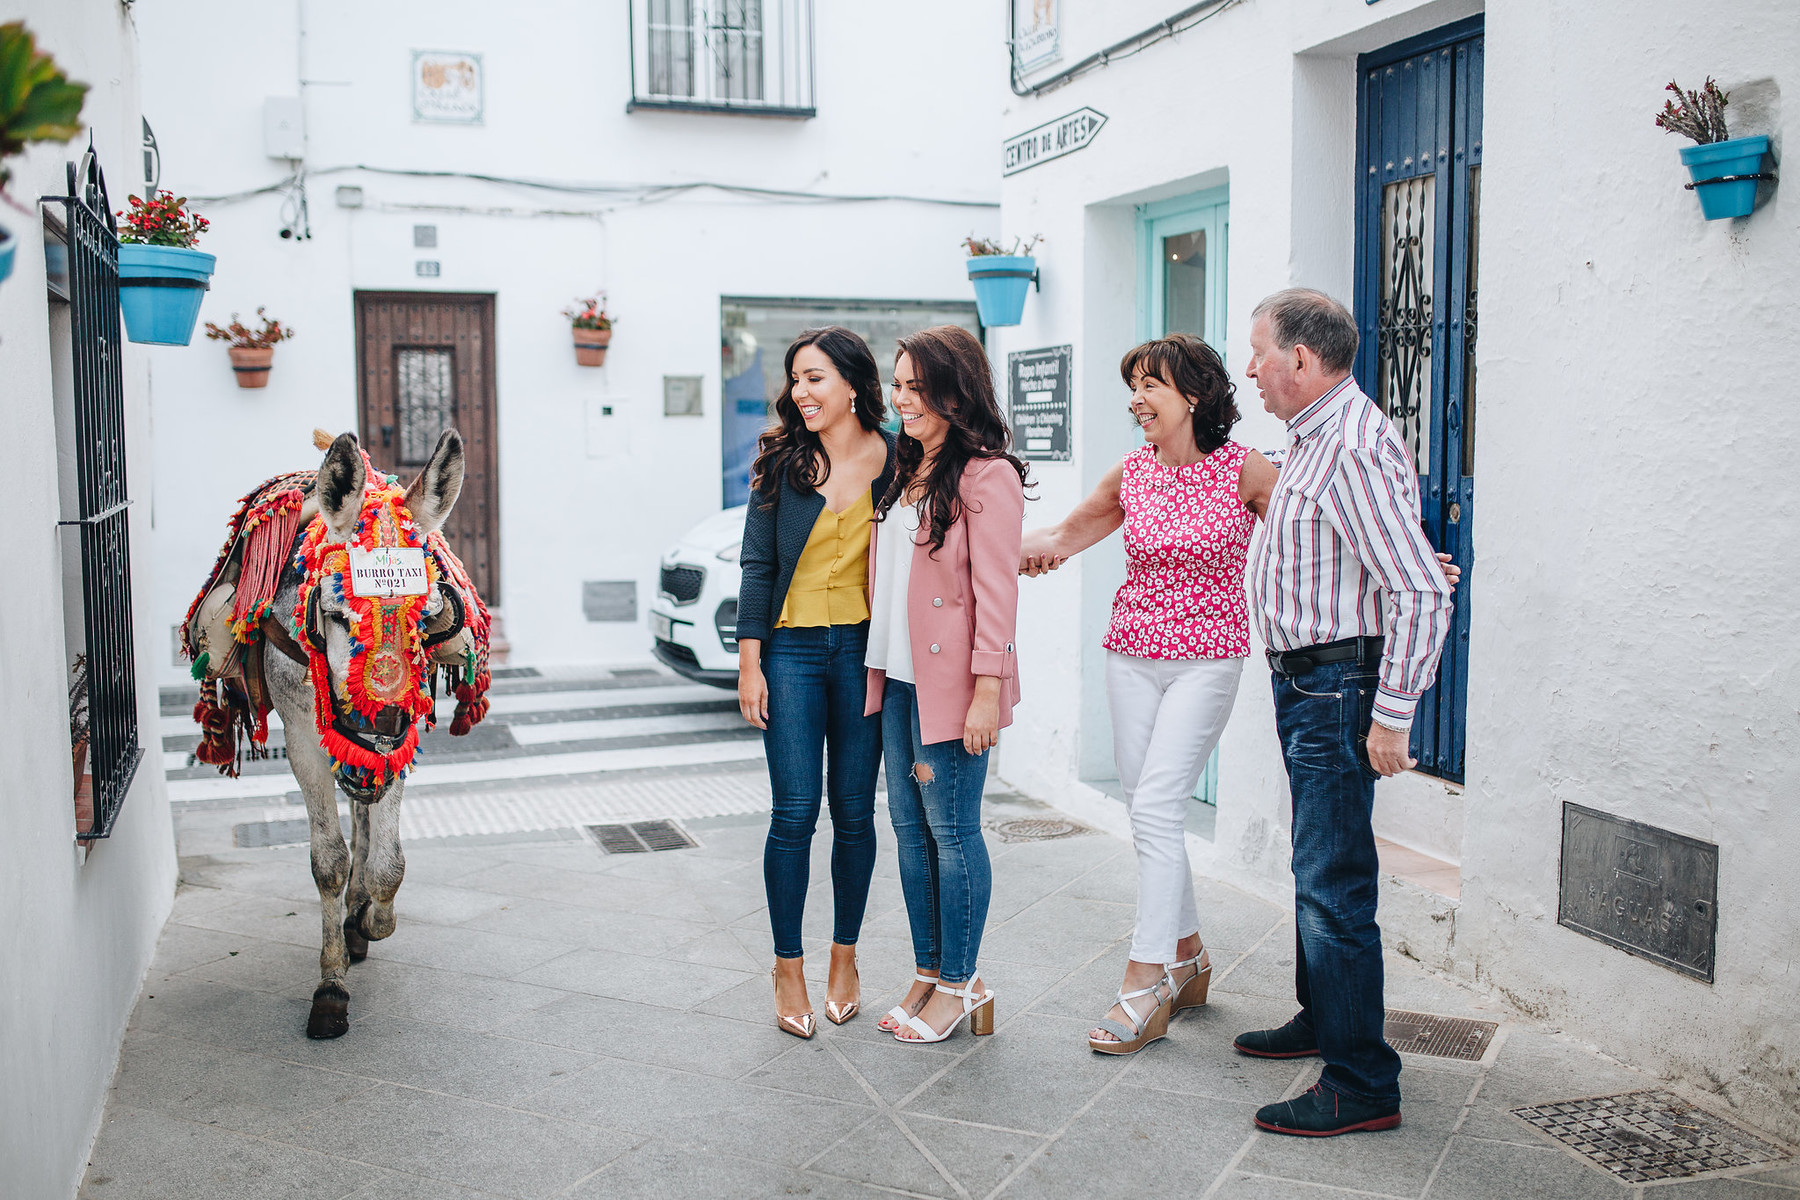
(694, 614)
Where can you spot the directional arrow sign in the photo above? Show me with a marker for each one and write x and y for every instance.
(1065, 135)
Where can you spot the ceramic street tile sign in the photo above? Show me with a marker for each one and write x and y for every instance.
(1646, 890)
(1040, 400)
(1065, 135)
(387, 571)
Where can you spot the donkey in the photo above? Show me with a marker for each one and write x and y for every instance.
(357, 884)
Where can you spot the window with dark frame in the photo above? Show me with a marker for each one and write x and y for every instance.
(750, 56)
(83, 274)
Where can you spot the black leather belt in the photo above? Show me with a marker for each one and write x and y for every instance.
(1364, 651)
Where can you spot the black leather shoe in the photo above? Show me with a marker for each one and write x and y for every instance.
(1292, 1040)
(1322, 1112)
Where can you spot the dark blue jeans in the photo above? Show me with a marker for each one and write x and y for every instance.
(944, 870)
(817, 688)
(1323, 718)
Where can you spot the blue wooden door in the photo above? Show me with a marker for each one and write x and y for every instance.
(1418, 224)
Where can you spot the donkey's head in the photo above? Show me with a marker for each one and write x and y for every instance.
(369, 640)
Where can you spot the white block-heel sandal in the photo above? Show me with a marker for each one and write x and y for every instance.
(977, 1006)
(897, 1015)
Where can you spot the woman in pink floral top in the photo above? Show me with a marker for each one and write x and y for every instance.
(1188, 500)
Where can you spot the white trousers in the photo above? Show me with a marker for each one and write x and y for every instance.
(1167, 715)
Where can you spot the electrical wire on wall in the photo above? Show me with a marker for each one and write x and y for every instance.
(1137, 43)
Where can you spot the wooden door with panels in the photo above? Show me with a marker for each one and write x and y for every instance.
(425, 362)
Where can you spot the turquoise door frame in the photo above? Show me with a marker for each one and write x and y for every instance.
(1205, 213)
(1199, 222)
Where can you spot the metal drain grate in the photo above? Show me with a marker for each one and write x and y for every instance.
(1440, 1037)
(260, 835)
(1037, 829)
(1644, 1136)
(641, 836)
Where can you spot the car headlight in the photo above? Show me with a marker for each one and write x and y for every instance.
(730, 553)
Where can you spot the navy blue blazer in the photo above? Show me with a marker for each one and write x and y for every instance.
(774, 536)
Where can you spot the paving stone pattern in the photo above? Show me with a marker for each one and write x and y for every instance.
(550, 1021)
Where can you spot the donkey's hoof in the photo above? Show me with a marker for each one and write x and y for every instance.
(354, 942)
(330, 1012)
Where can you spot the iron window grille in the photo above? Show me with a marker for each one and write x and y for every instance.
(91, 287)
(723, 56)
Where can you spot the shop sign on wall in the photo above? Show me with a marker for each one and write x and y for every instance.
(1065, 135)
(1036, 33)
(446, 86)
(1040, 399)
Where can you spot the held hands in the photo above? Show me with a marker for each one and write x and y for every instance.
(981, 728)
(1038, 554)
(1387, 750)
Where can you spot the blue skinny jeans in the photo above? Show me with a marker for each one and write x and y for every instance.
(944, 870)
(1323, 719)
(817, 686)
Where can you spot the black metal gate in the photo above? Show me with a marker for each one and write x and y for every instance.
(103, 498)
(1418, 215)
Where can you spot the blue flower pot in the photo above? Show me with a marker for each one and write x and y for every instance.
(8, 243)
(1713, 162)
(1001, 281)
(160, 290)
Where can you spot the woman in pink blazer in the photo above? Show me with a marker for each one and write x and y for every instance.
(943, 674)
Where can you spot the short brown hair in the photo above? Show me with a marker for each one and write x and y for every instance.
(1310, 318)
(1194, 369)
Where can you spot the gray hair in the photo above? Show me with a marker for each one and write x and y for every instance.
(1305, 317)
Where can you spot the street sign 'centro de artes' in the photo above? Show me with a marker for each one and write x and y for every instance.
(1065, 135)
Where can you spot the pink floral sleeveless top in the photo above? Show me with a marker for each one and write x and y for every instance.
(1187, 534)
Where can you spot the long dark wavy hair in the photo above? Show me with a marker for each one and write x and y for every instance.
(788, 449)
(1194, 369)
(958, 387)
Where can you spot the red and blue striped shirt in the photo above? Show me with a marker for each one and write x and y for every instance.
(1342, 554)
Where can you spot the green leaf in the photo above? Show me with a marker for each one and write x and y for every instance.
(38, 103)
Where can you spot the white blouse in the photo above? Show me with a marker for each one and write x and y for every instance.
(890, 634)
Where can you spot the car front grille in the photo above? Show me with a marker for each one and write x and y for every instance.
(682, 584)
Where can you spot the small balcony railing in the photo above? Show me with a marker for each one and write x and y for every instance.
(723, 56)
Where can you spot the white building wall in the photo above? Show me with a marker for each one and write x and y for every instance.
(1631, 574)
(574, 505)
(77, 930)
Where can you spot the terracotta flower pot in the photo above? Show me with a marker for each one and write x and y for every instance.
(252, 365)
(590, 346)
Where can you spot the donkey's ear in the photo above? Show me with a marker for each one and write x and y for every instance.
(433, 494)
(341, 479)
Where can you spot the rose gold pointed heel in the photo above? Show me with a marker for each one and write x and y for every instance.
(1192, 993)
(838, 1013)
(801, 1026)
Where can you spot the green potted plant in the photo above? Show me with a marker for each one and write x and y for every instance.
(37, 104)
(252, 350)
(162, 278)
(592, 328)
(1725, 170)
(1001, 277)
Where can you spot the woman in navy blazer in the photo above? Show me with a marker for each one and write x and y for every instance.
(802, 629)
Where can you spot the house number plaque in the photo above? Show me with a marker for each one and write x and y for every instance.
(1646, 890)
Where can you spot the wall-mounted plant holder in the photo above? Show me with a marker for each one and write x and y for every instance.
(8, 243)
(160, 290)
(1725, 175)
(590, 346)
(1001, 282)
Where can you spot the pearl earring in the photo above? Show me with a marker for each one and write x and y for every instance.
(1190, 408)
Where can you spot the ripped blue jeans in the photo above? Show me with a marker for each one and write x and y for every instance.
(934, 801)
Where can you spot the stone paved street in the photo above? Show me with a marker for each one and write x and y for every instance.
(549, 1020)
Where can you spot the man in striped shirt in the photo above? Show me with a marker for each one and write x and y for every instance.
(1354, 609)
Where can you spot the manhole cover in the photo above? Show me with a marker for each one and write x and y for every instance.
(1037, 829)
(1440, 1037)
(1645, 1136)
(641, 836)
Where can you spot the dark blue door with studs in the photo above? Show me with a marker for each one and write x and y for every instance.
(1418, 219)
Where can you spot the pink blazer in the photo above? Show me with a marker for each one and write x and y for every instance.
(962, 604)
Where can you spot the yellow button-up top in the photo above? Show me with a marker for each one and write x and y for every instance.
(831, 579)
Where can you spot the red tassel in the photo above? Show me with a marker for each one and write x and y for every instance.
(266, 547)
(218, 746)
